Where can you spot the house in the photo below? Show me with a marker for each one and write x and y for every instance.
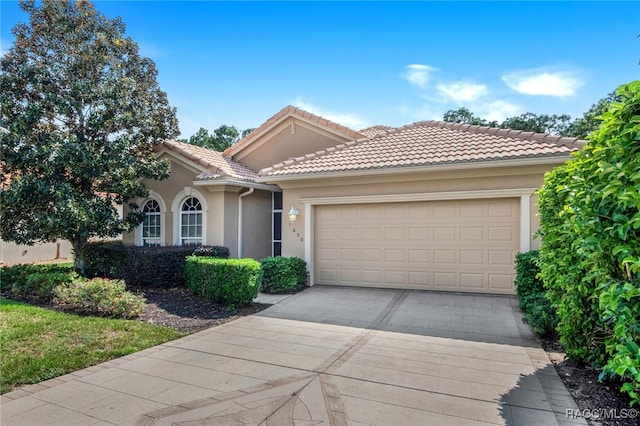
(430, 205)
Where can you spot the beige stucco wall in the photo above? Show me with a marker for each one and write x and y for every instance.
(221, 212)
(256, 223)
(18, 253)
(407, 183)
(290, 139)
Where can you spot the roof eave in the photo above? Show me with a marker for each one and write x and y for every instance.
(235, 182)
(433, 168)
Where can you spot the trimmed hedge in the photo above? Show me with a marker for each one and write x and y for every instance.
(283, 274)
(232, 282)
(144, 266)
(532, 299)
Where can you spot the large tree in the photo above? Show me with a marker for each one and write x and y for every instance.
(81, 111)
(543, 123)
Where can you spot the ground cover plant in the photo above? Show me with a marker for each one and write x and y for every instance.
(590, 250)
(37, 344)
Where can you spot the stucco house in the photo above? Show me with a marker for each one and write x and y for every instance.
(430, 205)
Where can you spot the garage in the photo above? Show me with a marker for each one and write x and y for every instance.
(451, 245)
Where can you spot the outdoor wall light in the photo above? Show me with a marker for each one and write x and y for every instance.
(293, 214)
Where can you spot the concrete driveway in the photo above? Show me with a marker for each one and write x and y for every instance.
(334, 356)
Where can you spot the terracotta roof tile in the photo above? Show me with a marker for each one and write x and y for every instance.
(217, 166)
(427, 143)
(295, 112)
(376, 130)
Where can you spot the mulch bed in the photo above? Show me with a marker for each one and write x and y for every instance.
(590, 394)
(179, 309)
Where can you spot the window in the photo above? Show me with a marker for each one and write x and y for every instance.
(191, 222)
(276, 249)
(151, 227)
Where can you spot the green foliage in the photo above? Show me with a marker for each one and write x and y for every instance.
(537, 309)
(232, 282)
(542, 123)
(590, 252)
(83, 111)
(35, 281)
(591, 120)
(219, 140)
(283, 274)
(212, 251)
(100, 297)
(464, 116)
(144, 266)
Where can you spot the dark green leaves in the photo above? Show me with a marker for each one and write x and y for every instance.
(83, 112)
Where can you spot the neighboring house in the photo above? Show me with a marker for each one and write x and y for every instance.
(17, 253)
(431, 205)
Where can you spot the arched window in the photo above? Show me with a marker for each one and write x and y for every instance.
(191, 222)
(151, 228)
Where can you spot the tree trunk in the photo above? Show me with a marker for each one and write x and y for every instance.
(79, 245)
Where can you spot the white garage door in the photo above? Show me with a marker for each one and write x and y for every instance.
(462, 245)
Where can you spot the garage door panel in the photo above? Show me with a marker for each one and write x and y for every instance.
(419, 256)
(461, 245)
(394, 255)
(475, 282)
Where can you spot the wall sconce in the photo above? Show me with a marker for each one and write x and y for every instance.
(293, 214)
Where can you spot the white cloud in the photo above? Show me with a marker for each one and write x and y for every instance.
(462, 91)
(351, 121)
(499, 110)
(542, 82)
(419, 75)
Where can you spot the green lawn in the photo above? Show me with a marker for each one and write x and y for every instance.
(37, 344)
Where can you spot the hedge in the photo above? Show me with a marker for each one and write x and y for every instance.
(37, 282)
(144, 266)
(590, 250)
(232, 282)
(283, 274)
(532, 299)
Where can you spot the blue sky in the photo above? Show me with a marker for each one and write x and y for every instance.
(366, 63)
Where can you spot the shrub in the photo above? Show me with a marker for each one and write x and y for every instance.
(590, 251)
(212, 251)
(537, 309)
(98, 296)
(232, 282)
(143, 266)
(29, 281)
(283, 274)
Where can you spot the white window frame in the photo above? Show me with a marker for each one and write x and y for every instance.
(139, 240)
(176, 210)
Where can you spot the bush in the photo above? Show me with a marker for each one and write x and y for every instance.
(232, 282)
(532, 299)
(37, 282)
(143, 266)
(212, 251)
(283, 274)
(590, 251)
(98, 296)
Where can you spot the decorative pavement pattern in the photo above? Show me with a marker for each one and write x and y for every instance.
(327, 356)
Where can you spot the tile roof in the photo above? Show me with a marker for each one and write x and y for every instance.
(428, 143)
(377, 130)
(217, 166)
(295, 112)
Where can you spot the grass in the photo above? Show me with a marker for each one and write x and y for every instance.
(37, 344)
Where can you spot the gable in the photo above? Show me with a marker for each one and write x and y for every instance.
(288, 134)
